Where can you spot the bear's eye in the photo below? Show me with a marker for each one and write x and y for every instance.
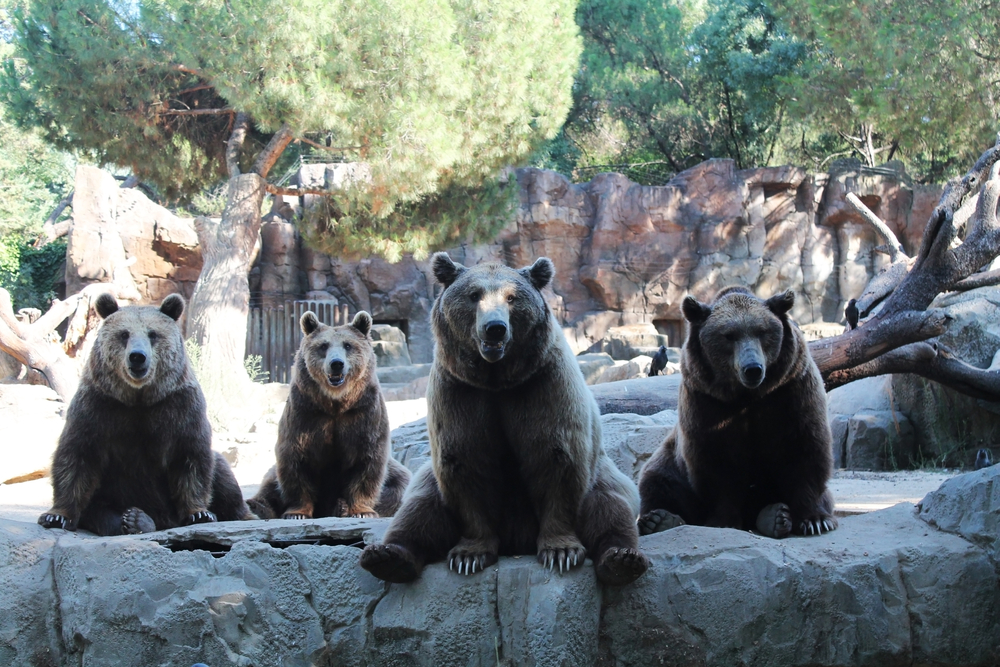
(153, 337)
(323, 347)
(510, 298)
(475, 296)
(123, 336)
(730, 336)
(348, 347)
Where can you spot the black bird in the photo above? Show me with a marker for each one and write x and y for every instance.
(983, 459)
(852, 314)
(659, 361)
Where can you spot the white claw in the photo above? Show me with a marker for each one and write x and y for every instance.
(451, 564)
(474, 563)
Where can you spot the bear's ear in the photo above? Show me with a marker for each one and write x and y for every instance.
(105, 305)
(362, 322)
(695, 311)
(173, 306)
(308, 322)
(445, 270)
(540, 273)
(780, 304)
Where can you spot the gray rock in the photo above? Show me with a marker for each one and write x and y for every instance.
(411, 444)
(389, 343)
(630, 440)
(593, 364)
(402, 374)
(641, 396)
(629, 341)
(839, 426)
(968, 505)
(879, 440)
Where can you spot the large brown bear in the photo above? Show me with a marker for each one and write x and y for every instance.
(136, 454)
(751, 448)
(333, 438)
(516, 464)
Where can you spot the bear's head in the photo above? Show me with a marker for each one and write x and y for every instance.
(337, 362)
(739, 337)
(490, 312)
(139, 349)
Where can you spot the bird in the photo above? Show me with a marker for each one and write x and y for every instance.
(852, 314)
(983, 459)
(659, 361)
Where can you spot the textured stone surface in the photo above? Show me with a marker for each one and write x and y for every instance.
(389, 343)
(641, 396)
(884, 589)
(879, 440)
(32, 417)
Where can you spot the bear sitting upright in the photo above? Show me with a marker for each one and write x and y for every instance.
(136, 454)
(333, 450)
(517, 465)
(752, 445)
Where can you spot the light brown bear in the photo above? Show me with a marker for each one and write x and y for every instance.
(333, 450)
(751, 448)
(136, 454)
(517, 465)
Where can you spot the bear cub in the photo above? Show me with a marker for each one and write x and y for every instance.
(752, 445)
(517, 465)
(136, 454)
(333, 449)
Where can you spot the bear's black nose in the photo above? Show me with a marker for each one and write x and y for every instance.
(136, 359)
(495, 331)
(336, 367)
(753, 373)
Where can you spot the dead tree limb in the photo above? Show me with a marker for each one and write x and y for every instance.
(53, 230)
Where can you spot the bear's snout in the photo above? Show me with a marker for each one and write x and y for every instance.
(138, 363)
(335, 372)
(495, 331)
(493, 337)
(753, 374)
(750, 363)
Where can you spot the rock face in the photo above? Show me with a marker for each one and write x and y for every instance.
(30, 414)
(887, 588)
(112, 225)
(627, 254)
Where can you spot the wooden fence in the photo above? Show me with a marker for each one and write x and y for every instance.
(273, 333)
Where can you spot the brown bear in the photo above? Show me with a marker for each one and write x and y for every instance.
(136, 454)
(752, 445)
(517, 465)
(333, 450)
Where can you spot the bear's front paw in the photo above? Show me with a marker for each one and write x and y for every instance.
(816, 525)
(658, 521)
(620, 565)
(296, 515)
(775, 521)
(361, 512)
(55, 520)
(136, 522)
(390, 562)
(564, 557)
(471, 556)
(201, 516)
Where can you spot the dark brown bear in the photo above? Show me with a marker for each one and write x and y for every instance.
(333, 438)
(517, 465)
(136, 452)
(751, 448)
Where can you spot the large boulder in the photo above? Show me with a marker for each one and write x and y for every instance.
(389, 343)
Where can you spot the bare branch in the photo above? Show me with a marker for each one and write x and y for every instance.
(881, 229)
(275, 147)
(984, 279)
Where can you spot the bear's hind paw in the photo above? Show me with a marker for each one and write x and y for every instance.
(390, 562)
(619, 566)
(135, 521)
(657, 521)
(775, 521)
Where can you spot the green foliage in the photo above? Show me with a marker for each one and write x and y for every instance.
(31, 274)
(433, 95)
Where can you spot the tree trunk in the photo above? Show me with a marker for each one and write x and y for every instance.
(217, 315)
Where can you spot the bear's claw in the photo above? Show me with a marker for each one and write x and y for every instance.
(135, 522)
(465, 560)
(203, 516)
(775, 521)
(390, 562)
(619, 566)
(565, 558)
(657, 521)
(50, 520)
(817, 526)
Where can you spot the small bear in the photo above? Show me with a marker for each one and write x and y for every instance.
(333, 450)
(136, 454)
(752, 444)
(659, 361)
(517, 465)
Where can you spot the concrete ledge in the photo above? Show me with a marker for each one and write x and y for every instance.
(887, 588)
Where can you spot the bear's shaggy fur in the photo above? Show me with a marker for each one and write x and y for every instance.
(517, 465)
(333, 450)
(751, 448)
(136, 454)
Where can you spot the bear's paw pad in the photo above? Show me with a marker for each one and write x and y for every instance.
(52, 520)
(775, 521)
(203, 516)
(816, 525)
(619, 566)
(390, 562)
(465, 560)
(135, 522)
(658, 521)
(563, 558)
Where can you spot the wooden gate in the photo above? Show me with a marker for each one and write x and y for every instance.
(273, 333)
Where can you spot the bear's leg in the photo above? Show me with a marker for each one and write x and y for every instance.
(668, 499)
(393, 488)
(267, 503)
(606, 524)
(227, 499)
(422, 531)
(297, 492)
